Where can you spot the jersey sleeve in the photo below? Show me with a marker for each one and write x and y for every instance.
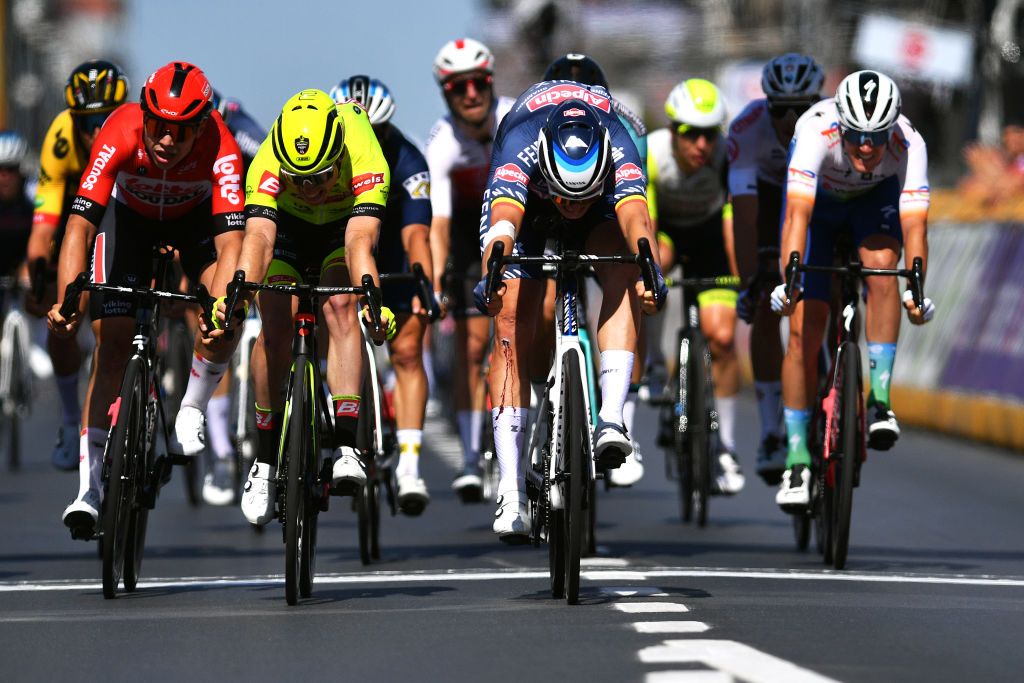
(413, 175)
(226, 179)
(513, 160)
(113, 147)
(55, 159)
(807, 152)
(439, 162)
(263, 184)
(371, 177)
(630, 180)
(914, 189)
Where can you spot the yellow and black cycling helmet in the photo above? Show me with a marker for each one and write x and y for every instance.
(308, 136)
(95, 87)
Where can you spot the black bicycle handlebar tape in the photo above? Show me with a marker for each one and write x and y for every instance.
(373, 302)
(39, 278)
(234, 290)
(791, 273)
(71, 295)
(645, 259)
(493, 271)
(917, 281)
(425, 292)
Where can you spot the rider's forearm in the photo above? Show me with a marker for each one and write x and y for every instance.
(915, 239)
(257, 250)
(510, 213)
(73, 252)
(416, 241)
(636, 223)
(744, 230)
(440, 243)
(729, 241)
(229, 247)
(794, 229)
(360, 240)
(39, 241)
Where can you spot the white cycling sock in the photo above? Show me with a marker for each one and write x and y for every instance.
(67, 388)
(727, 421)
(90, 459)
(616, 369)
(202, 382)
(769, 407)
(470, 425)
(629, 412)
(217, 427)
(509, 432)
(409, 442)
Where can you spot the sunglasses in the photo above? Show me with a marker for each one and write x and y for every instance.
(461, 85)
(311, 181)
(87, 123)
(877, 138)
(685, 130)
(157, 128)
(779, 110)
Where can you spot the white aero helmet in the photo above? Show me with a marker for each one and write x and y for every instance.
(13, 149)
(792, 76)
(696, 103)
(868, 102)
(462, 56)
(370, 93)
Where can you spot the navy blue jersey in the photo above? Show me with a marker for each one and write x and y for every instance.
(515, 172)
(408, 203)
(248, 134)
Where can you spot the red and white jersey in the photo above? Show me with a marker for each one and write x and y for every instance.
(755, 151)
(819, 164)
(459, 165)
(120, 168)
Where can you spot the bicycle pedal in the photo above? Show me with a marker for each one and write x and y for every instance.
(345, 488)
(84, 534)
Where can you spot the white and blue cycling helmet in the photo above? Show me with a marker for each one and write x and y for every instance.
(370, 93)
(575, 151)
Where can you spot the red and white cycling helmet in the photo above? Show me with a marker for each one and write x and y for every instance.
(461, 56)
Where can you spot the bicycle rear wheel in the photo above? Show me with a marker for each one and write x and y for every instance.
(118, 509)
(298, 577)
(849, 439)
(575, 430)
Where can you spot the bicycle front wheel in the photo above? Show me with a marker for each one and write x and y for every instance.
(140, 520)
(122, 458)
(850, 441)
(298, 533)
(699, 421)
(681, 439)
(574, 428)
(368, 500)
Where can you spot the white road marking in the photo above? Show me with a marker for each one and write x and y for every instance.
(650, 607)
(451, 576)
(603, 561)
(737, 659)
(605, 575)
(688, 676)
(633, 592)
(670, 627)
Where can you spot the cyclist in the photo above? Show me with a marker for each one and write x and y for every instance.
(582, 69)
(856, 163)
(15, 207)
(458, 153)
(315, 196)
(404, 239)
(688, 198)
(219, 483)
(94, 89)
(171, 167)
(758, 147)
(553, 164)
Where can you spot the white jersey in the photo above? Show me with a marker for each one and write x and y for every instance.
(680, 201)
(819, 164)
(755, 152)
(459, 164)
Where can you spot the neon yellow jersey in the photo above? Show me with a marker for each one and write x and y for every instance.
(60, 166)
(360, 190)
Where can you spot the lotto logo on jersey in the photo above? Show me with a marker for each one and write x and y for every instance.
(574, 112)
(557, 94)
(628, 173)
(269, 184)
(510, 173)
(366, 182)
(228, 179)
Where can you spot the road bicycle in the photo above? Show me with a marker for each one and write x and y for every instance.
(16, 379)
(302, 488)
(132, 472)
(841, 450)
(689, 417)
(560, 471)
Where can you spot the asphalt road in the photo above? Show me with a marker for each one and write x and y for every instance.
(934, 589)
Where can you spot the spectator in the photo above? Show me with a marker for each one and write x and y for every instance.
(996, 174)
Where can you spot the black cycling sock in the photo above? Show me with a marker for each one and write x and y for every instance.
(268, 435)
(346, 419)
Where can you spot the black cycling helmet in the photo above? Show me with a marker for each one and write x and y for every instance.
(576, 67)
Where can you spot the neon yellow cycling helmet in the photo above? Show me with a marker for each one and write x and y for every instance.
(308, 135)
(696, 103)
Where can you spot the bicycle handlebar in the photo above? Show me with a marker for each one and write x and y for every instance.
(73, 292)
(914, 274)
(424, 288)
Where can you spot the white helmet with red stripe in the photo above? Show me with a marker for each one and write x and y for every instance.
(462, 56)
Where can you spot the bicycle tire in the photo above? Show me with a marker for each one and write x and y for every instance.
(575, 460)
(681, 440)
(20, 394)
(140, 520)
(700, 392)
(299, 425)
(849, 436)
(117, 512)
(366, 500)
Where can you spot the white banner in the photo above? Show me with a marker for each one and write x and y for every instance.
(905, 48)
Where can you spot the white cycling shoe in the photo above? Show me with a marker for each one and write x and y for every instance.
(412, 495)
(189, 436)
(630, 472)
(469, 485)
(795, 491)
(219, 485)
(512, 519)
(349, 472)
(729, 479)
(611, 445)
(83, 513)
(257, 503)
